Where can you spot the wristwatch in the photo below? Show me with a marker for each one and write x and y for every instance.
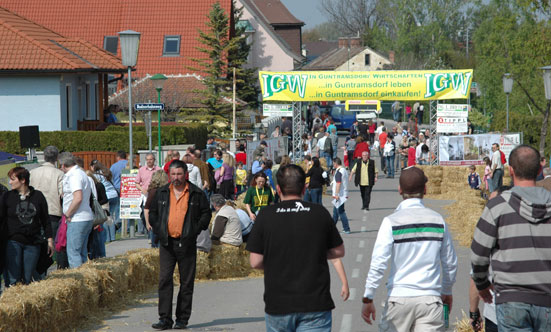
(367, 300)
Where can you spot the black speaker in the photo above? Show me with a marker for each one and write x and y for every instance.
(29, 137)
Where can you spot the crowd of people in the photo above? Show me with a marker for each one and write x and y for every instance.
(53, 209)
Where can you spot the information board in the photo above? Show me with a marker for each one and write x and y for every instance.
(131, 196)
(277, 110)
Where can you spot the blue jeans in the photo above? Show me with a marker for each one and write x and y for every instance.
(390, 165)
(98, 243)
(299, 322)
(77, 242)
(21, 261)
(313, 195)
(339, 212)
(520, 317)
(396, 115)
(154, 239)
(114, 209)
(497, 179)
(328, 159)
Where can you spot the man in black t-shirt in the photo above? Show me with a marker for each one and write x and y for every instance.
(292, 241)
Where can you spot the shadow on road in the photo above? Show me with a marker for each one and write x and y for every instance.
(226, 321)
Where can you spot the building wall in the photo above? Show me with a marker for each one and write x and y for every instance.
(75, 87)
(357, 63)
(292, 35)
(29, 100)
(265, 53)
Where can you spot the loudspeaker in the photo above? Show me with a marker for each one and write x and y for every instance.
(29, 137)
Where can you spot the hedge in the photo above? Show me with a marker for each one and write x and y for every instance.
(113, 139)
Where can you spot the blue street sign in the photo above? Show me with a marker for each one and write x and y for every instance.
(149, 107)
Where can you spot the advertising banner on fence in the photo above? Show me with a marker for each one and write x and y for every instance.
(131, 196)
(359, 85)
(277, 110)
(471, 149)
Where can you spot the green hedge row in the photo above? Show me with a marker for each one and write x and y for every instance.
(113, 139)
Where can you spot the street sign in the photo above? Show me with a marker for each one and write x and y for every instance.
(149, 107)
(277, 110)
(453, 110)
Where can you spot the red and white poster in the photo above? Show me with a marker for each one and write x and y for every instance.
(131, 196)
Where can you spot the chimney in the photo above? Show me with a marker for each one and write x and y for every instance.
(350, 41)
(391, 56)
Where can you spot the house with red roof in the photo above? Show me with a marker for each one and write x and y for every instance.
(274, 33)
(50, 80)
(169, 28)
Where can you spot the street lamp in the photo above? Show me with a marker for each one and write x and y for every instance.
(130, 41)
(158, 82)
(507, 88)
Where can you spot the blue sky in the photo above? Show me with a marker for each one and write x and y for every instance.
(307, 11)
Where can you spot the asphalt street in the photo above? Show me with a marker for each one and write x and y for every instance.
(238, 305)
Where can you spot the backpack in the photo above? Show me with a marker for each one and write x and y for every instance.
(503, 159)
(328, 146)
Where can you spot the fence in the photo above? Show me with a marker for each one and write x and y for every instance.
(107, 158)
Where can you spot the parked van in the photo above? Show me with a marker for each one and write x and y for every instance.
(343, 118)
(365, 109)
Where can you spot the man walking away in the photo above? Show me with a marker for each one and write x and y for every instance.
(178, 213)
(513, 236)
(423, 260)
(292, 241)
(49, 180)
(339, 187)
(365, 175)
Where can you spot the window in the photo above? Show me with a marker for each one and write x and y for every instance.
(87, 106)
(367, 59)
(110, 44)
(171, 45)
(68, 108)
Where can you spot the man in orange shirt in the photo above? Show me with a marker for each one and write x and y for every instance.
(179, 211)
(382, 141)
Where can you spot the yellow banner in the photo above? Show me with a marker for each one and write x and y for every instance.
(358, 85)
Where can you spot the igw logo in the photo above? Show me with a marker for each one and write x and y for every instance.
(277, 83)
(440, 82)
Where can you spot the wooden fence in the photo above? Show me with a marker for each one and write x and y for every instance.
(107, 158)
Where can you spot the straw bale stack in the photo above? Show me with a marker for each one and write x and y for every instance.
(203, 265)
(227, 261)
(434, 174)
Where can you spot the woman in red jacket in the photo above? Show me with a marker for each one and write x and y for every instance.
(372, 126)
(411, 153)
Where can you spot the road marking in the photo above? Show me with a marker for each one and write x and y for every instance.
(355, 273)
(364, 228)
(359, 258)
(346, 323)
(364, 218)
(362, 243)
(352, 294)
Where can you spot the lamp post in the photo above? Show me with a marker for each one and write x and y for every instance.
(507, 88)
(130, 42)
(158, 82)
(547, 86)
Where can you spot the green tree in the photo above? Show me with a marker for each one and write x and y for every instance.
(216, 46)
(510, 39)
(246, 80)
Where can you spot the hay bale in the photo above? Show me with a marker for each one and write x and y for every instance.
(463, 325)
(202, 265)
(227, 261)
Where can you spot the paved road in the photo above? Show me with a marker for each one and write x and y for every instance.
(238, 305)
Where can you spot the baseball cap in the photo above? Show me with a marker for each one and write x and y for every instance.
(412, 180)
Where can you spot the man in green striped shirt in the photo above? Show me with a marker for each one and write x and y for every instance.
(424, 263)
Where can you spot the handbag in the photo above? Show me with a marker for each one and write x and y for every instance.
(61, 236)
(100, 215)
(44, 260)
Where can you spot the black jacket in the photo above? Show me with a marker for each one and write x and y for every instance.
(197, 217)
(370, 172)
(316, 178)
